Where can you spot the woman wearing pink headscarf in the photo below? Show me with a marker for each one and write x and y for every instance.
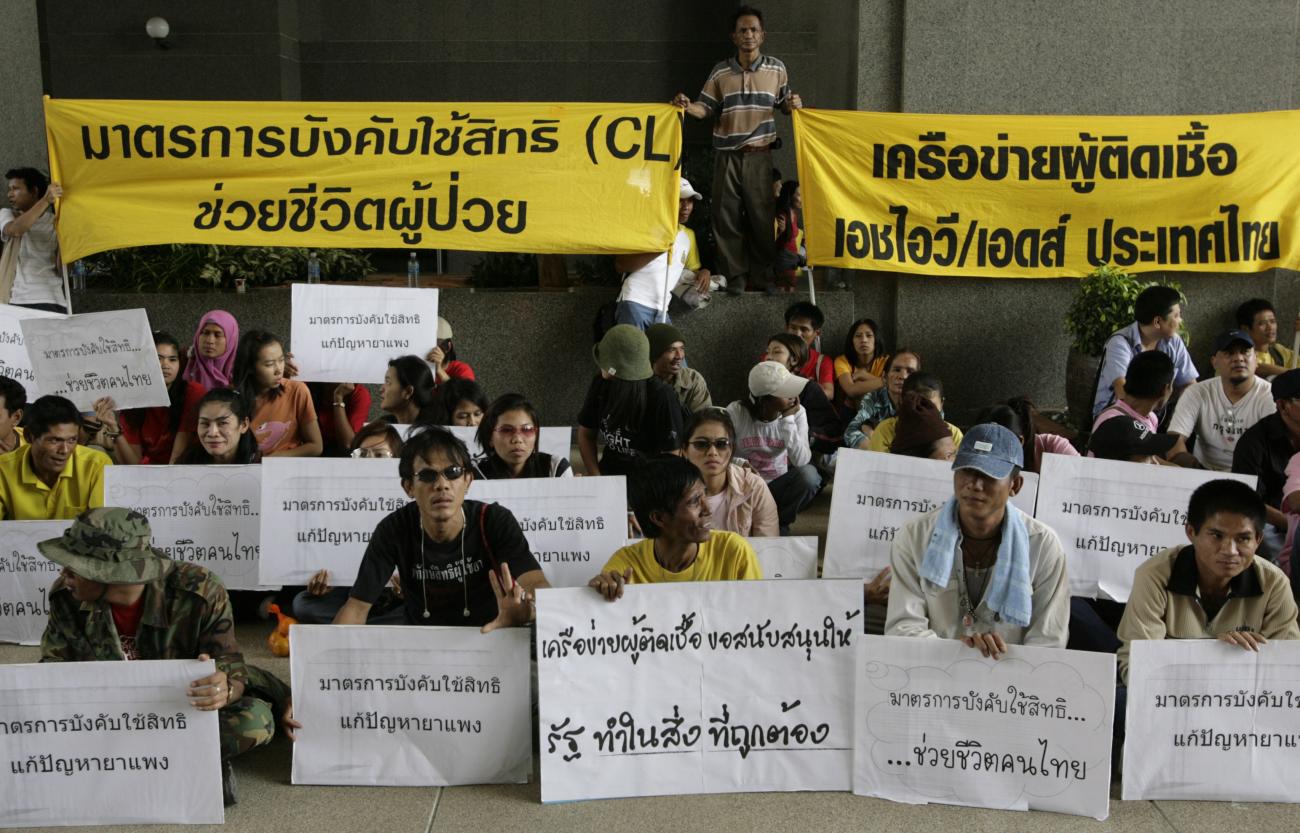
(212, 359)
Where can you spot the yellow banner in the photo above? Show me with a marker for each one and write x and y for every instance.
(1049, 196)
(545, 178)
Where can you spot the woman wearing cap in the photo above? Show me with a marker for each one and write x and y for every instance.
(650, 276)
(738, 498)
(772, 434)
(627, 410)
(508, 436)
(443, 357)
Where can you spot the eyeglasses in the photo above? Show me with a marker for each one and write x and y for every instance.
(510, 430)
(376, 451)
(703, 445)
(431, 475)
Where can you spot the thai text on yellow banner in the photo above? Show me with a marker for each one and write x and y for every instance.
(545, 178)
(1049, 196)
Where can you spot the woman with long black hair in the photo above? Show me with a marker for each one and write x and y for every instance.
(284, 419)
(159, 435)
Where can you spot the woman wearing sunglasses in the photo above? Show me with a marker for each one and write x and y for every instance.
(738, 498)
(508, 437)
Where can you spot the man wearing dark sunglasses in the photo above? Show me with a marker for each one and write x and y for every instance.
(461, 562)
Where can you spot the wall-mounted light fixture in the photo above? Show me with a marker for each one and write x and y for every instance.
(158, 29)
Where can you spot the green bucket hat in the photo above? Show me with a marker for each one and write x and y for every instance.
(624, 353)
(109, 545)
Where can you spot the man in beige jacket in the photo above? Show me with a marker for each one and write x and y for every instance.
(1216, 587)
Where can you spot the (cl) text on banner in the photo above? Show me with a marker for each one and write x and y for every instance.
(937, 723)
(1208, 721)
(1111, 516)
(25, 579)
(517, 177)
(697, 687)
(410, 706)
(107, 743)
(1049, 196)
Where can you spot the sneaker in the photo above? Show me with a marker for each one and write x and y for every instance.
(228, 784)
(736, 287)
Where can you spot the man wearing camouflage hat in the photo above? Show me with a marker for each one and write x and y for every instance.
(119, 598)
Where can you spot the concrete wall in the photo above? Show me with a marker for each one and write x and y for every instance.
(22, 128)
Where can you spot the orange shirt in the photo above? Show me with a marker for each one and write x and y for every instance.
(278, 422)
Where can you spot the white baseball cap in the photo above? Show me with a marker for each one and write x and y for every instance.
(773, 379)
(688, 191)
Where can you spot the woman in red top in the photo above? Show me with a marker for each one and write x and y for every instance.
(341, 411)
(443, 358)
(789, 204)
(155, 436)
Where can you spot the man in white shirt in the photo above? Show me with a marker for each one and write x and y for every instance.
(651, 276)
(1218, 411)
(29, 225)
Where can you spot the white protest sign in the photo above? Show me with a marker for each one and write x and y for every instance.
(349, 333)
(937, 723)
(1111, 516)
(1208, 721)
(14, 361)
(319, 513)
(875, 494)
(404, 706)
(697, 687)
(25, 579)
(207, 515)
(552, 440)
(573, 524)
(87, 357)
(107, 743)
(788, 556)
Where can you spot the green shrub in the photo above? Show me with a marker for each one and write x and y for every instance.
(180, 266)
(1103, 305)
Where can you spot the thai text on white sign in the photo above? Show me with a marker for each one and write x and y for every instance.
(107, 743)
(875, 494)
(938, 723)
(207, 515)
(573, 524)
(14, 361)
(87, 357)
(319, 513)
(1208, 721)
(349, 333)
(740, 686)
(1112, 515)
(25, 579)
(407, 706)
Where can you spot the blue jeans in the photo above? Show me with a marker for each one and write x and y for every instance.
(793, 491)
(321, 610)
(638, 315)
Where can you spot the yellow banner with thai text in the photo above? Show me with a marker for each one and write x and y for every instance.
(1049, 196)
(514, 177)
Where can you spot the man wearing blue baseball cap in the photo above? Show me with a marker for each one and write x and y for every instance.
(977, 568)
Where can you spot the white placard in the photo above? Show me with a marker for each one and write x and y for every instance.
(403, 706)
(206, 515)
(349, 333)
(552, 440)
(107, 743)
(789, 557)
(697, 687)
(1111, 516)
(938, 724)
(573, 524)
(14, 362)
(25, 579)
(1208, 721)
(319, 513)
(87, 357)
(875, 494)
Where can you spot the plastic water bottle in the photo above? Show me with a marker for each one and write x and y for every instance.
(413, 271)
(313, 268)
(79, 276)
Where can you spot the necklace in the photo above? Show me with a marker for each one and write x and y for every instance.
(464, 587)
(665, 572)
(980, 549)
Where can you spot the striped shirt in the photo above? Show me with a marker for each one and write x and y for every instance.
(742, 100)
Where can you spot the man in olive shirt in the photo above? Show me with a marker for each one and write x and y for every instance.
(668, 359)
(51, 477)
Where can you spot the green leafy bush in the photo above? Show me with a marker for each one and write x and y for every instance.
(1104, 305)
(180, 266)
(503, 270)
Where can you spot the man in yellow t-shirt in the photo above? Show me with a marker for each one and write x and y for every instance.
(51, 477)
(667, 495)
(1258, 318)
(13, 399)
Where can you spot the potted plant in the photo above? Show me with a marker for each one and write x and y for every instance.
(1102, 306)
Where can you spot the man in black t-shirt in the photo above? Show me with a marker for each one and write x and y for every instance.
(461, 562)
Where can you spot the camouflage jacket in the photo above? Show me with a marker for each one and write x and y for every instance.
(186, 613)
